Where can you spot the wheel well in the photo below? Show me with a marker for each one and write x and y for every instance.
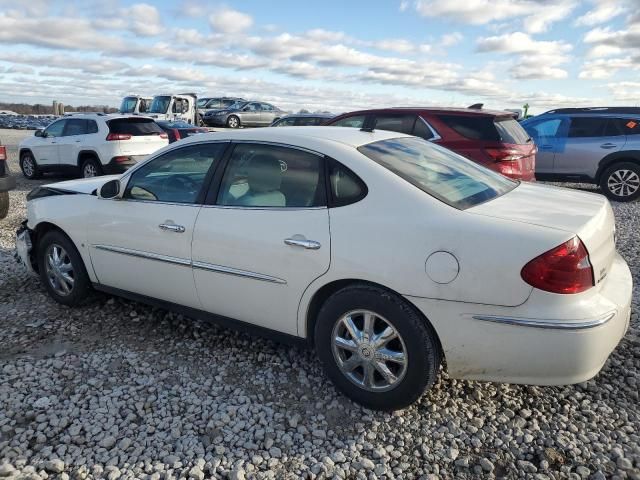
(610, 162)
(39, 232)
(23, 151)
(82, 156)
(330, 288)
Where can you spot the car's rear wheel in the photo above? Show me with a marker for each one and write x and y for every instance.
(233, 122)
(621, 182)
(62, 270)
(29, 166)
(376, 348)
(91, 168)
(4, 204)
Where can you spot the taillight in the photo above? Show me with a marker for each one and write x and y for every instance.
(164, 135)
(505, 154)
(176, 132)
(564, 269)
(3, 152)
(118, 136)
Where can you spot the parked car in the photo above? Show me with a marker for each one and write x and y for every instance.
(216, 103)
(171, 107)
(491, 138)
(93, 144)
(136, 104)
(179, 129)
(592, 145)
(302, 120)
(7, 182)
(244, 114)
(388, 253)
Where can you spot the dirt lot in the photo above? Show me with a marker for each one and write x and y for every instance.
(116, 389)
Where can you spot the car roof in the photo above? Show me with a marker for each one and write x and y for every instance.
(296, 135)
(103, 116)
(307, 115)
(595, 111)
(451, 110)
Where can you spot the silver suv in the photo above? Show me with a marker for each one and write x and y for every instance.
(592, 145)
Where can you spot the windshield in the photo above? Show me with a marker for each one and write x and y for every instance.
(128, 105)
(439, 172)
(160, 104)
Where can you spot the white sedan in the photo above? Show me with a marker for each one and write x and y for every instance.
(387, 253)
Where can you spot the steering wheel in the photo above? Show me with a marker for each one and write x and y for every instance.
(181, 182)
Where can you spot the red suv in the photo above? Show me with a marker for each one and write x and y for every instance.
(492, 138)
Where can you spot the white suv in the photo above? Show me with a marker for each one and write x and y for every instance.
(94, 144)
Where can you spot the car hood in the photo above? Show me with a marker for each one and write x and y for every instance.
(587, 215)
(82, 185)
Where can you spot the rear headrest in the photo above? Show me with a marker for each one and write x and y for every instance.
(265, 174)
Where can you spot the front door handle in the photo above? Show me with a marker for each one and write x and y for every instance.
(608, 145)
(302, 242)
(171, 227)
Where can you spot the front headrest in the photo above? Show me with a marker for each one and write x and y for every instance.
(265, 174)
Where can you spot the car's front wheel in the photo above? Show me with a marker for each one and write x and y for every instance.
(376, 348)
(621, 182)
(233, 122)
(62, 270)
(29, 166)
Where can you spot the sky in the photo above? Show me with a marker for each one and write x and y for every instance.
(325, 55)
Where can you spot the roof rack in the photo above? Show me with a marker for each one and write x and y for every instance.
(595, 110)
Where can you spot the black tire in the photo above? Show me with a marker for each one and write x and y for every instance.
(32, 170)
(419, 342)
(81, 287)
(199, 120)
(233, 122)
(4, 204)
(621, 182)
(90, 164)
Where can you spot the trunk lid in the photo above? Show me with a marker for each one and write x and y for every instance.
(587, 215)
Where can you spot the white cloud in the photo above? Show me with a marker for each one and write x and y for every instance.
(603, 11)
(450, 39)
(537, 15)
(606, 68)
(227, 20)
(144, 19)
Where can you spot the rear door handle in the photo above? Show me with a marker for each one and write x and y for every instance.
(608, 145)
(302, 242)
(171, 227)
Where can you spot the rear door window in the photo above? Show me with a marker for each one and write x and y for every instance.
(75, 126)
(134, 126)
(395, 123)
(584, 127)
(474, 127)
(356, 122)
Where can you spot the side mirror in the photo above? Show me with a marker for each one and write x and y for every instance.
(111, 189)
(40, 133)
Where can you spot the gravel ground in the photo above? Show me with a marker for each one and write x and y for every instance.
(116, 389)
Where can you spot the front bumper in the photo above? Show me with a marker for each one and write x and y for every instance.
(549, 340)
(24, 248)
(215, 121)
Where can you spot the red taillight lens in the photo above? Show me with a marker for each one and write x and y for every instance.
(118, 136)
(505, 154)
(564, 269)
(3, 153)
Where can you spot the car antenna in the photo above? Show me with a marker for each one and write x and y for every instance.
(368, 125)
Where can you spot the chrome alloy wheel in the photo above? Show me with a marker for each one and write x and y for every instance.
(27, 165)
(233, 122)
(369, 351)
(623, 183)
(59, 270)
(89, 170)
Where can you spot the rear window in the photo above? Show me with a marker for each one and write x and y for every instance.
(134, 126)
(511, 131)
(439, 172)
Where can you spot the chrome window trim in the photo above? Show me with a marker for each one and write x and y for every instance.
(237, 272)
(435, 134)
(271, 209)
(277, 144)
(188, 263)
(141, 254)
(547, 324)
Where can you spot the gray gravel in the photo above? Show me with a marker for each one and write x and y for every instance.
(116, 389)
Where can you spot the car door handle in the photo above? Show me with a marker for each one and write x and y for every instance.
(302, 242)
(171, 227)
(608, 145)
